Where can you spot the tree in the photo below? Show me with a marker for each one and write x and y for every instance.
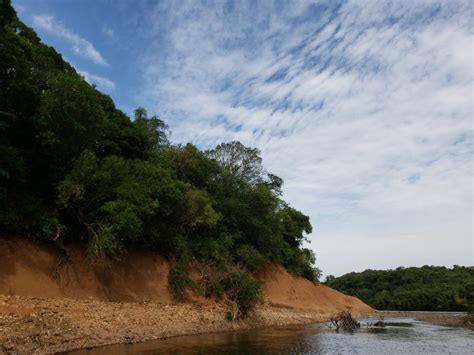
(69, 119)
(117, 202)
(240, 162)
(427, 288)
(154, 127)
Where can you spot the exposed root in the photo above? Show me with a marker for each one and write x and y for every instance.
(64, 259)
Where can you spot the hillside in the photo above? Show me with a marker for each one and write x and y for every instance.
(427, 288)
(77, 171)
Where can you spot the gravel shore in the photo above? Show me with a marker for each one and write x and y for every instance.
(45, 325)
(48, 325)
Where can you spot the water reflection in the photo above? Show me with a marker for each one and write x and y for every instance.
(400, 336)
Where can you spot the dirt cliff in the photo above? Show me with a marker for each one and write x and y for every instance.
(283, 290)
(29, 269)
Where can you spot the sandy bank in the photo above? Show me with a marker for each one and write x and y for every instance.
(51, 303)
(29, 324)
(29, 269)
(283, 290)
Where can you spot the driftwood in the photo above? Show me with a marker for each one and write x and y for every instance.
(379, 324)
(344, 321)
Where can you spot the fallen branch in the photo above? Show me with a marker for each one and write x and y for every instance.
(343, 320)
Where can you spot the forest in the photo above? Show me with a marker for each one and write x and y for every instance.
(76, 169)
(427, 288)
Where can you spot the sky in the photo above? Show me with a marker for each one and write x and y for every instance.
(364, 108)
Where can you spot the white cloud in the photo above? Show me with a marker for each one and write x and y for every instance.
(79, 45)
(101, 82)
(370, 123)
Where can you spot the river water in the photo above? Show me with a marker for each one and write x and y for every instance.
(399, 336)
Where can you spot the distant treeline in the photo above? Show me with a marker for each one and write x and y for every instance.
(74, 168)
(427, 288)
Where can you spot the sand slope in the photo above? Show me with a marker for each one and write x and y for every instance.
(283, 290)
(29, 269)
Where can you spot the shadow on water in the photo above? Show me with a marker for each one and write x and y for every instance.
(398, 336)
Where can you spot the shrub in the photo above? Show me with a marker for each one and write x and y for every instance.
(299, 262)
(179, 279)
(244, 290)
(250, 257)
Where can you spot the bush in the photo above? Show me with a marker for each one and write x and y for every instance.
(216, 288)
(250, 257)
(299, 262)
(215, 251)
(245, 290)
(241, 289)
(179, 279)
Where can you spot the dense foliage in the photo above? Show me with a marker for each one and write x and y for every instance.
(74, 168)
(428, 288)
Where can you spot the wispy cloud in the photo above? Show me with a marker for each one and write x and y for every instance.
(101, 82)
(79, 45)
(364, 108)
(108, 32)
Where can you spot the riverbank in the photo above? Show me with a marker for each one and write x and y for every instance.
(48, 304)
(43, 325)
(440, 318)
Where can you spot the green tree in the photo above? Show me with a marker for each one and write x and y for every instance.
(154, 127)
(428, 288)
(240, 162)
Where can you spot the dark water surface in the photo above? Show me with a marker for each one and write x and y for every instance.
(400, 336)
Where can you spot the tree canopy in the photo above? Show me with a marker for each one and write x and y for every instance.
(427, 288)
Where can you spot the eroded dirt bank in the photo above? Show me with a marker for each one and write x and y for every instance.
(29, 269)
(283, 290)
(51, 303)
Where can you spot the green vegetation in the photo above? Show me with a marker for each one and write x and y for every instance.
(74, 168)
(428, 288)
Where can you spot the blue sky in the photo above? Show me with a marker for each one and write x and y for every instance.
(364, 108)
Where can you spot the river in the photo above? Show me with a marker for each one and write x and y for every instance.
(399, 336)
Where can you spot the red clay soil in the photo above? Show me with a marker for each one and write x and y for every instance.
(48, 304)
(29, 269)
(283, 290)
